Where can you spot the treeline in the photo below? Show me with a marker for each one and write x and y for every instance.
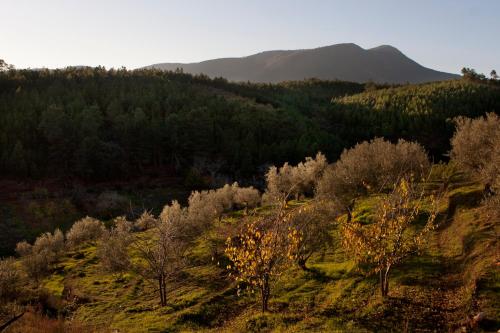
(271, 235)
(102, 124)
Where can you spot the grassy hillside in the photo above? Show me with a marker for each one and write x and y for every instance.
(457, 277)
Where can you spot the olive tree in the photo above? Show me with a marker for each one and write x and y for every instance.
(37, 258)
(476, 148)
(290, 181)
(85, 230)
(10, 279)
(145, 221)
(10, 288)
(246, 197)
(370, 167)
(112, 250)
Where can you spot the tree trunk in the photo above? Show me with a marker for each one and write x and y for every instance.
(381, 282)
(349, 216)
(160, 288)
(384, 281)
(302, 264)
(265, 293)
(163, 290)
(349, 209)
(10, 321)
(487, 189)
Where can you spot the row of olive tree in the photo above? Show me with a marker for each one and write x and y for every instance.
(162, 247)
(37, 258)
(267, 245)
(395, 173)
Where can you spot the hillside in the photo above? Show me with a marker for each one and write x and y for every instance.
(345, 62)
(381, 240)
(453, 280)
(70, 136)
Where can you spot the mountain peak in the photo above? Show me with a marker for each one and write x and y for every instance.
(346, 61)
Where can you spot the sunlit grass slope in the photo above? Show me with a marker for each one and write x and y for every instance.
(436, 291)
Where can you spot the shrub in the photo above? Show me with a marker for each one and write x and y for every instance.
(85, 230)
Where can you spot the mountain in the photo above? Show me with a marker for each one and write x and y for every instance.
(346, 62)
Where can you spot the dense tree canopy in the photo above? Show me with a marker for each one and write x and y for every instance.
(102, 124)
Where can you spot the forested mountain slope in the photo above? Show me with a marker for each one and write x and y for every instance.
(98, 124)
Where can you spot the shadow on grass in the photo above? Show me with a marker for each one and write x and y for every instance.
(319, 275)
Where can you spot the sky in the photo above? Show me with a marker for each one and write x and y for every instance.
(441, 34)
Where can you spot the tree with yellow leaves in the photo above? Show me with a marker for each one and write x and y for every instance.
(311, 226)
(262, 251)
(393, 236)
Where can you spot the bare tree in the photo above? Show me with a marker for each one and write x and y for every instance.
(162, 252)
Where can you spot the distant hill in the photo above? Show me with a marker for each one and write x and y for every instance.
(347, 62)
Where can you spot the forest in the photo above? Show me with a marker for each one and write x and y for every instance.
(300, 206)
(97, 124)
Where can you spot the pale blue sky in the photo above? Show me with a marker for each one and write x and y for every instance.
(441, 34)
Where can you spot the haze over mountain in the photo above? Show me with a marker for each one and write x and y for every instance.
(347, 62)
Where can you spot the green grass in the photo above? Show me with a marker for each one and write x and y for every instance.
(455, 277)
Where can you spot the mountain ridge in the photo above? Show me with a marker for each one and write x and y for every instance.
(346, 62)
